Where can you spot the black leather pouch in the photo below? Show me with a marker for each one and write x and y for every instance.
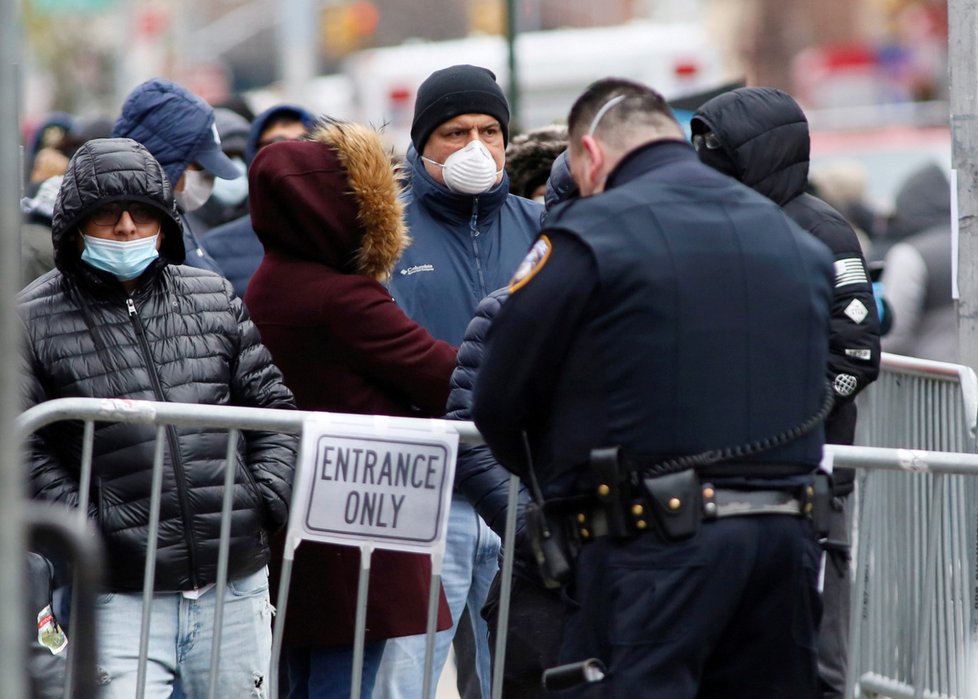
(676, 503)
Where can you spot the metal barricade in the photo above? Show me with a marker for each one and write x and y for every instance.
(915, 598)
(233, 419)
(55, 528)
(915, 613)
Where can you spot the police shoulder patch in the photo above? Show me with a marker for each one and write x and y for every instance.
(531, 264)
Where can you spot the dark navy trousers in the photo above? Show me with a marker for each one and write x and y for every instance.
(731, 613)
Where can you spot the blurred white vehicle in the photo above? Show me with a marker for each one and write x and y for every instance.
(554, 67)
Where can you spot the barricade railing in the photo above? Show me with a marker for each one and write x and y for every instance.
(234, 420)
(915, 596)
(914, 614)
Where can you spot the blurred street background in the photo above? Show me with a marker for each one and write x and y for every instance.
(872, 75)
(857, 63)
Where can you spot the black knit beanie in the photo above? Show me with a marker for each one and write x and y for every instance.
(461, 89)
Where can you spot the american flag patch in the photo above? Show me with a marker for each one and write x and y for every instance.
(850, 271)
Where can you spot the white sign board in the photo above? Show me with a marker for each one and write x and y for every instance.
(366, 482)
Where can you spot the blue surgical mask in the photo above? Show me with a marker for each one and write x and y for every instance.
(124, 259)
(232, 192)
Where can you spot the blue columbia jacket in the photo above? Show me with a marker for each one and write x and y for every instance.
(463, 247)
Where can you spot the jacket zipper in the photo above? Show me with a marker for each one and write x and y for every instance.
(474, 237)
(171, 436)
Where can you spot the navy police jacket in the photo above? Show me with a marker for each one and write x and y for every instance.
(463, 247)
(676, 312)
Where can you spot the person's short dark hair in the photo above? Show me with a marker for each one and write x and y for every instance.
(456, 90)
(530, 155)
(640, 104)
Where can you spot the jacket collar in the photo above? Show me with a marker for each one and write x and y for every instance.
(452, 206)
(651, 156)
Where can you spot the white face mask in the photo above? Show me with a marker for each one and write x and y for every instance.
(469, 170)
(232, 192)
(197, 187)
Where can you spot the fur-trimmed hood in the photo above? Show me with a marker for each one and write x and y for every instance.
(333, 199)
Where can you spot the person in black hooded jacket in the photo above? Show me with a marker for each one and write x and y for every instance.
(759, 136)
(121, 318)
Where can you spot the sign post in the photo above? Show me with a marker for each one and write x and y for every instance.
(362, 483)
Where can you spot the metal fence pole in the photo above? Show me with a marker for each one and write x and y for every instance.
(149, 574)
(963, 59)
(12, 531)
(223, 554)
(437, 564)
(509, 554)
(360, 634)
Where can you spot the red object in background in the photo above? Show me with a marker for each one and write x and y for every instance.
(686, 69)
(831, 58)
(209, 81)
(399, 95)
(846, 75)
(151, 22)
(401, 106)
(365, 17)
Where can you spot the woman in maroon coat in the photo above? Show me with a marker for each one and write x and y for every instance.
(328, 213)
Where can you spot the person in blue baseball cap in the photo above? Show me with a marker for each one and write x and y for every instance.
(178, 129)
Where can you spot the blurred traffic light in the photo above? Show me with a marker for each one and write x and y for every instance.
(345, 27)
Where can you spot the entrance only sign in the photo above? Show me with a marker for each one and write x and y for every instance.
(365, 482)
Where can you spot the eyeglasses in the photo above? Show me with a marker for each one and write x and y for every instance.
(708, 139)
(141, 214)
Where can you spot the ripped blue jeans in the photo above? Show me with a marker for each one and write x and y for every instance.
(180, 635)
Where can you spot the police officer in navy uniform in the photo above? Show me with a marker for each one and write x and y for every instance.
(678, 316)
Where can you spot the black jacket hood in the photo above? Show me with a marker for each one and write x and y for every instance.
(763, 135)
(104, 170)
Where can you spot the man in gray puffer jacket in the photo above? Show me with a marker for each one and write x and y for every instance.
(121, 318)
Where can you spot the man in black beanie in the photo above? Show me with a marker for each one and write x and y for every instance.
(469, 235)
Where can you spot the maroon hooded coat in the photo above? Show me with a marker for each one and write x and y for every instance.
(328, 214)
